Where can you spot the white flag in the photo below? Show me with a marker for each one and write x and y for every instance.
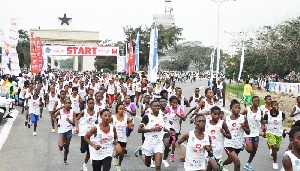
(242, 62)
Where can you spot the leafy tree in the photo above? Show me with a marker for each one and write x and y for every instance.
(23, 49)
(274, 49)
(167, 38)
(66, 63)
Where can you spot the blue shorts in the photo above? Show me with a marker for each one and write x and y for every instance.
(34, 118)
(66, 134)
(21, 100)
(251, 139)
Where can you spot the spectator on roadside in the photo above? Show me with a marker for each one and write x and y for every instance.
(223, 90)
(247, 93)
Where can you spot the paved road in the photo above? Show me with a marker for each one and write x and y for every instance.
(23, 152)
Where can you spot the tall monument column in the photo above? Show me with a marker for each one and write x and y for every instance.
(75, 63)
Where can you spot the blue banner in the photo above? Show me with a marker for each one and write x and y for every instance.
(137, 53)
(155, 56)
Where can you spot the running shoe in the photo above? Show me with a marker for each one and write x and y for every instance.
(248, 167)
(172, 158)
(152, 165)
(53, 130)
(138, 151)
(34, 133)
(115, 161)
(84, 167)
(220, 162)
(29, 124)
(275, 166)
(26, 122)
(118, 168)
(66, 162)
(165, 163)
(284, 133)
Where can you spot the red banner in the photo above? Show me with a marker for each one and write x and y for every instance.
(131, 59)
(39, 52)
(34, 66)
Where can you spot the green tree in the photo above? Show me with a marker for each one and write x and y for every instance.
(107, 62)
(167, 38)
(66, 63)
(23, 49)
(274, 49)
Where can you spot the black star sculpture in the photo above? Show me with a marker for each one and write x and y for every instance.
(64, 20)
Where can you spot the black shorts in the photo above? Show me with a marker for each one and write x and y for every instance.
(122, 144)
(144, 91)
(166, 135)
(84, 146)
(171, 137)
(132, 98)
(229, 150)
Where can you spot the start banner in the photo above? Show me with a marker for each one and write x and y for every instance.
(80, 50)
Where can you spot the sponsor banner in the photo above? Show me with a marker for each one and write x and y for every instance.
(39, 53)
(121, 62)
(34, 65)
(131, 59)
(80, 50)
(13, 32)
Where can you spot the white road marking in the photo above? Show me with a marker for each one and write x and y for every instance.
(7, 127)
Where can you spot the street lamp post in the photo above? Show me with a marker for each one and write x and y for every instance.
(219, 3)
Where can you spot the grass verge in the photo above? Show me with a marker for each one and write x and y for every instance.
(238, 91)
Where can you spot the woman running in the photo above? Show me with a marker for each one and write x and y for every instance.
(146, 108)
(35, 104)
(52, 98)
(217, 129)
(121, 122)
(76, 100)
(206, 104)
(28, 97)
(291, 158)
(66, 121)
(103, 139)
(138, 90)
(176, 114)
(237, 125)
(198, 143)
(254, 117)
(84, 122)
(274, 130)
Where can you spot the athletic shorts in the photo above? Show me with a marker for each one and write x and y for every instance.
(247, 99)
(273, 140)
(122, 144)
(66, 134)
(21, 100)
(34, 118)
(251, 139)
(149, 149)
(229, 150)
(166, 135)
(144, 91)
(84, 147)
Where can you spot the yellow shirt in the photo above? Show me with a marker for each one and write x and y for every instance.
(247, 89)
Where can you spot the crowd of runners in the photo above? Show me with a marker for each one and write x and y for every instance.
(101, 109)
